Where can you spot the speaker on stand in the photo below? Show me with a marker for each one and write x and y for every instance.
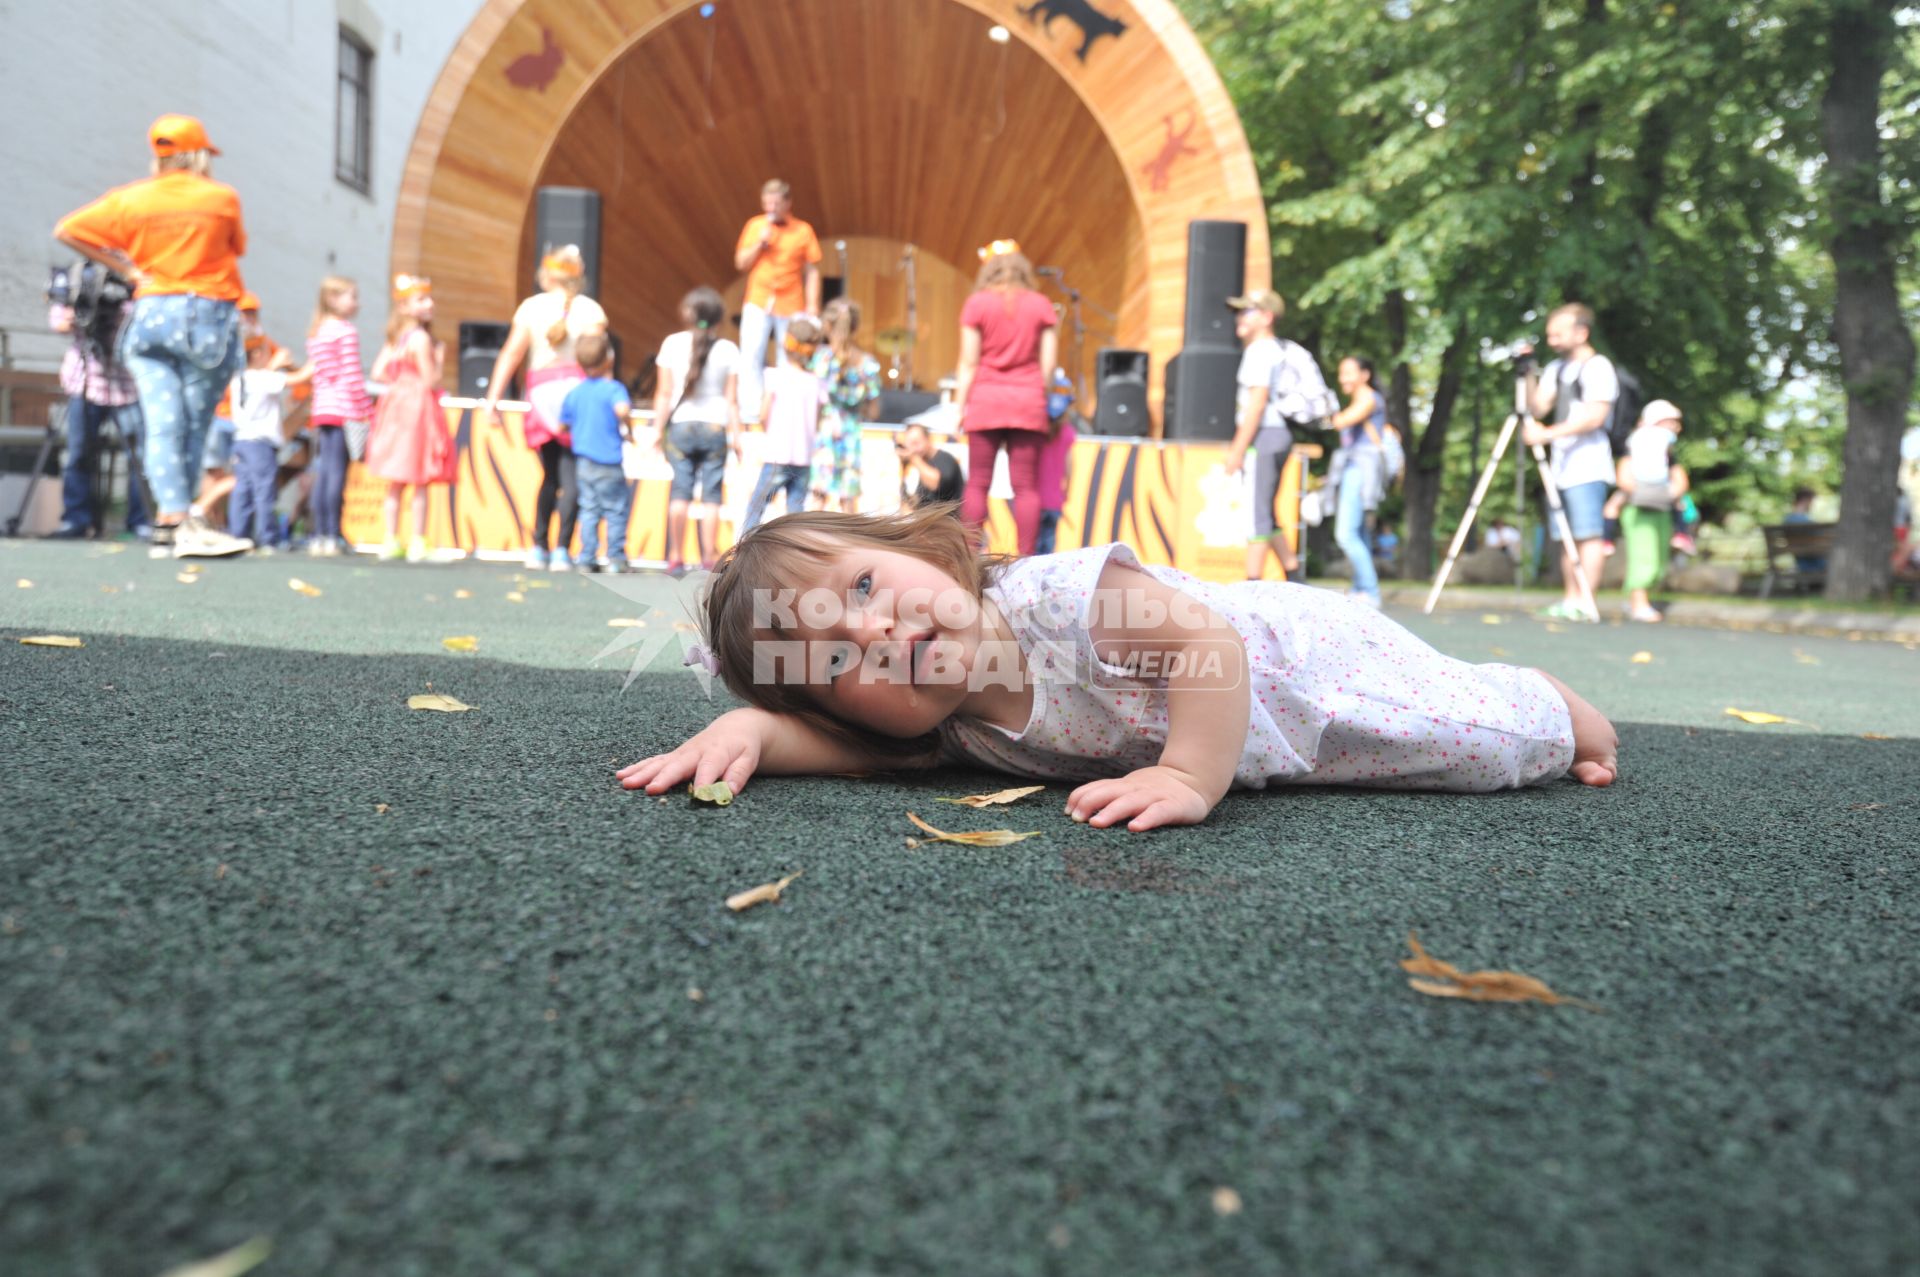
(481, 344)
(1201, 394)
(569, 215)
(1120, 389)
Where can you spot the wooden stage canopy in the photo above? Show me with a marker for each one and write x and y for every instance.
(1093, 136)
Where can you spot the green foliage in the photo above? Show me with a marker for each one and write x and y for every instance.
(1493, 158)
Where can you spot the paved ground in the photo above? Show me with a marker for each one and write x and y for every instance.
(421, 993)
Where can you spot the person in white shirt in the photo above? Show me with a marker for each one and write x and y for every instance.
(1504, 536)
(259, 404)
(696, 412)
(1276, 377)
(1572, 401)
(1650, 483)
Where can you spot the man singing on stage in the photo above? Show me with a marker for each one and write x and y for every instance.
(781, 256)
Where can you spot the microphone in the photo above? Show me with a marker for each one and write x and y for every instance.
(1049, 272)
(840, 245)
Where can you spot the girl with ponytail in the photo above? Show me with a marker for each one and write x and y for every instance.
(545, 327)
(697, 413)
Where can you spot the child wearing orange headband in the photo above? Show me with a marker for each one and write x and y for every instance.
(410, 446)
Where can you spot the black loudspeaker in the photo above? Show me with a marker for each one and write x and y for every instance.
(1216, 270)
(897, 405)
(1201, 393)
(480, 345)
(1120, 393)
(568, 215)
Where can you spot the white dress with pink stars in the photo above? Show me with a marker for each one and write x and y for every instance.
(1341, 694)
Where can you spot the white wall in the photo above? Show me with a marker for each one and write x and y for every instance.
(82, 79)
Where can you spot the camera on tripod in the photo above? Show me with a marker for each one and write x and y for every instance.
(99, 299)
(1518, 353)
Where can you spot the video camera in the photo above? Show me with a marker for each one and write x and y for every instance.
(1518, 353)
(99, 300)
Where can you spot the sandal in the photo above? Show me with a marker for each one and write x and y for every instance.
(1646, 615)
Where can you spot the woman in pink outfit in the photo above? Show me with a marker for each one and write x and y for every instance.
(1007, 342)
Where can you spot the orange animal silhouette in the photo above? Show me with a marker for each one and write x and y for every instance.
(1159, 169)
(536, 70)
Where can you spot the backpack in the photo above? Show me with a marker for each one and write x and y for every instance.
(1625, 417)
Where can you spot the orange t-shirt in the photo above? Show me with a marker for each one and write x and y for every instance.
(777, 281)
(182, 229)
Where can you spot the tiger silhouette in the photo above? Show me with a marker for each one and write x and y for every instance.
(1092, 23)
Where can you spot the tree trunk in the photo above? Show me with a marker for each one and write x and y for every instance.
(1425, 468)
(1876, 346)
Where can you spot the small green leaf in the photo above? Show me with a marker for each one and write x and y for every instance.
(719, 793)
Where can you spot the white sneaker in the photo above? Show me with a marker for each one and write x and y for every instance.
(195, 538)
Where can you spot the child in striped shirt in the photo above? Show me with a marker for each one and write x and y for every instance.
(339, 397)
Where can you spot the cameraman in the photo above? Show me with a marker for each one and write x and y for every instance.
(1570, 402)
(938, 474)
(177, 236)
(99, 389)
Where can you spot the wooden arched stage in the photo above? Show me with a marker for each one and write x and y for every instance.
(1093, 136)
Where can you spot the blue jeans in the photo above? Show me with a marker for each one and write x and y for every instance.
(604, 494)
(697, 451)
(182, 351)
(80, 507)
(329, 479)
(1349, 530)
(1043, 541)
(774, 478)
(256, 473)
(756, 325)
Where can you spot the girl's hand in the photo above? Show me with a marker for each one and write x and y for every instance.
(1146, 799)
(729, 750)
(493, 412)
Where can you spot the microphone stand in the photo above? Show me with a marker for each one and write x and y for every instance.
(1074, 301)
(913, 319)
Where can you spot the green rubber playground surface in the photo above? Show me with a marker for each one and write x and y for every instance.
(420, 993)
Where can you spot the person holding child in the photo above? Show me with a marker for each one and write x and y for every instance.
(1649, 483)
(258, 400)
(596, 414)
(794, 395)
(410, 445)
(696, 411)
(887, 642)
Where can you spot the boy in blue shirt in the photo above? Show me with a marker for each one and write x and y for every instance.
(596, 411)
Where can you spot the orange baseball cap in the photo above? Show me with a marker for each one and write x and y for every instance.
(173, 134)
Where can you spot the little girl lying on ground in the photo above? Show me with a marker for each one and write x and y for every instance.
(879, 643)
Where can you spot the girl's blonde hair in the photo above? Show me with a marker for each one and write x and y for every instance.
(332, 289)
(841, 319)
(563, 269)
(776, 556)
(200, 162)
(1007, 271)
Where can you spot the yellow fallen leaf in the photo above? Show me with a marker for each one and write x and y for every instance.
(1643, 658)
(1805, 658)
(436, 701)
(245, 1257)
(977, 838)
(460, 643)
(994, 799)
(1875, 736)
(626, 623)
(118, 547)
(1555, 629)
(301, 587)
(52, 640)
(1498, 651)
(24, 584)
(1477, 986)
(1762, 718)
(514, 596)
(109, 589)
(1226, 1202)
(185, 578)
(382, 808)
(463, 594)
(539, 585)
(1490, 618)
(193, 567)
(719, 793)
(759, 895)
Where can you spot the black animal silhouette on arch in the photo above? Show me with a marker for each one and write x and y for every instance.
(1092, 23)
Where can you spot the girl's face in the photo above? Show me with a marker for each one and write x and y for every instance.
(346, 303)
(420, 306)
(1350, 376)
(891, 640)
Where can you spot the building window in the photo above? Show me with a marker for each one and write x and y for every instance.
(353, 115)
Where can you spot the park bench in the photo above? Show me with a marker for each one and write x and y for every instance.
(1789, 546)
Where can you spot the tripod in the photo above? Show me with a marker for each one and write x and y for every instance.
(103, 477)
(1522, 411)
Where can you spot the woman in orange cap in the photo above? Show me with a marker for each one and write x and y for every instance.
(410, 446)
(1008, 345)
(178, 237)
(544, 329)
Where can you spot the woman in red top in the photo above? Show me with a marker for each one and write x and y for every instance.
(177, 236)
(1007, 341)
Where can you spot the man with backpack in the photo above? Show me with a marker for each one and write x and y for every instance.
(1573, 401)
